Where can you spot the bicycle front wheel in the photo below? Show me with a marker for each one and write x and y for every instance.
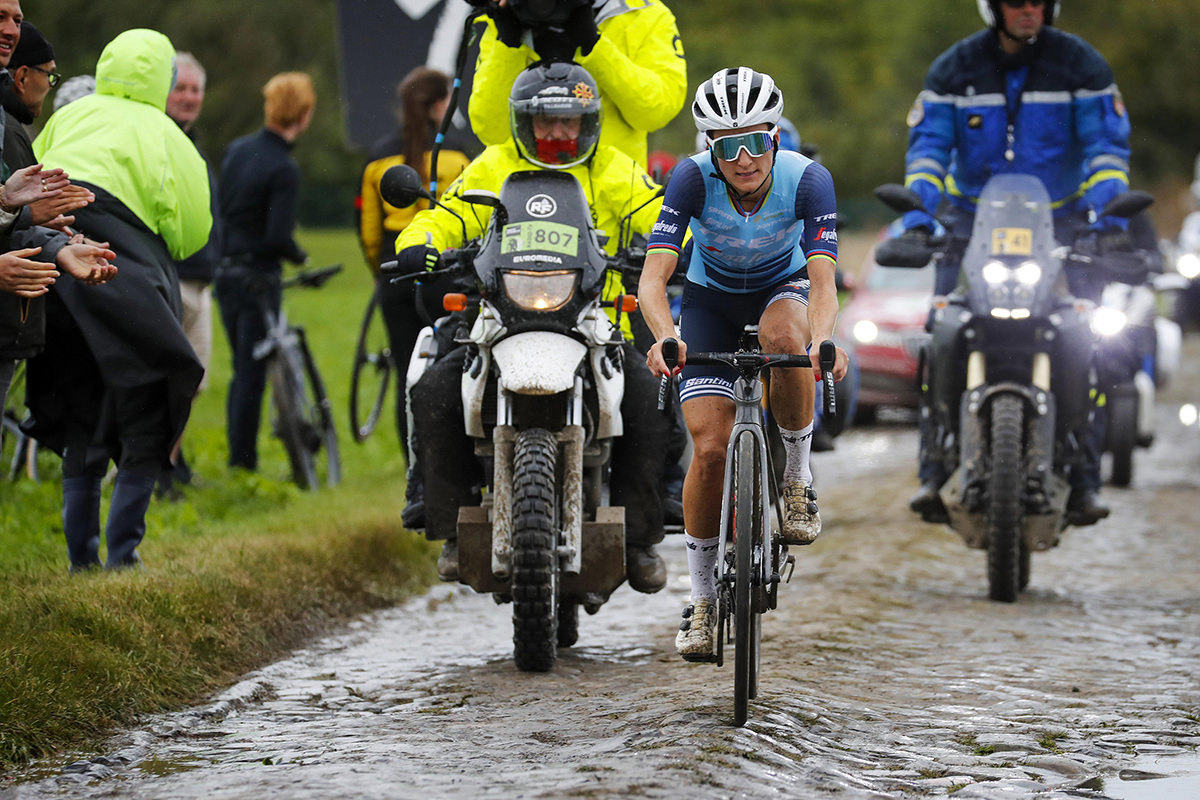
(291, 408)
(748, 545)
(371, 374)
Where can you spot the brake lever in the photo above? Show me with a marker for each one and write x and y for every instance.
(670, 354)
(827, 358)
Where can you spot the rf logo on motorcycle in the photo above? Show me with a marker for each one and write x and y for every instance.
(541, 206)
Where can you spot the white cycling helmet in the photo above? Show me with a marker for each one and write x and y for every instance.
(737, 98)
(988, 9)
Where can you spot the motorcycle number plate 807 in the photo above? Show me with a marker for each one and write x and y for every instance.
(1012, 242)
(550, 237)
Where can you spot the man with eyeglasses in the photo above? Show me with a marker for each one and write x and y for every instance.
(1020, 97)
(764, 226)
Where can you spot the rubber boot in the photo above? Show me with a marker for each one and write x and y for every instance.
(81, 522)
(127, 519)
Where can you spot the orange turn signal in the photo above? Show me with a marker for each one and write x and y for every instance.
(454, 302)
(627, 303)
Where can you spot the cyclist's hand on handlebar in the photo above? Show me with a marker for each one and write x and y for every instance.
(654, 358)
(841, 364)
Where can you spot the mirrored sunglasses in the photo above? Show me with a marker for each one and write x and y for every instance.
(757, 143)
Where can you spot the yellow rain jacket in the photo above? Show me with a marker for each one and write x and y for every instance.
(613, 184)
(638, 64)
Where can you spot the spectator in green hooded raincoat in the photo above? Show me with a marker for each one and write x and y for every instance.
(117, 377)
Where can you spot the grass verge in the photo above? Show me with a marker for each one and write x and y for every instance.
(240, 570)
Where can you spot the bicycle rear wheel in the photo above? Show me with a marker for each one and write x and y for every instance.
(372, 372)
(303, 419)
(748, 537)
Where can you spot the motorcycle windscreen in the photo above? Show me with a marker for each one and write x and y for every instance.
(1009, 265)
(549, 229)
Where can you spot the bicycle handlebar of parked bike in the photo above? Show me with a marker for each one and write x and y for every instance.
(313, 278)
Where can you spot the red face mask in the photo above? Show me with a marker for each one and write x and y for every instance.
(557, 151)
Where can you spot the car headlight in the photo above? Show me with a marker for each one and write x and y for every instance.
(1188, 265)
(539, 291)
(865, 331)
(996, 272)
(1029, 273)
(1108, 321)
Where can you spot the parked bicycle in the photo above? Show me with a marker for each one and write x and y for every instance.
(372, 372)
(749, 574)
(301, 414)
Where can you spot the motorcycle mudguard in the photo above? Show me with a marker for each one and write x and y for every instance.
(610, 391)
(538, 362)
(474, 387)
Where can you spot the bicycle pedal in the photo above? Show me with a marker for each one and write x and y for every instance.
(790, 565)
(700, 658)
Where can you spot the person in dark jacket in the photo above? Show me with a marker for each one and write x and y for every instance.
(117, 377)
(261, 184)
(1019, 97)
(196, 272)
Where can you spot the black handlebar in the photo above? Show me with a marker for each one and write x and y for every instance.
(670, 354)
(827, 356)
(453, 261)
(313, 278)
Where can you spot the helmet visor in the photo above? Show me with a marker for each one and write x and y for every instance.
(756, 143)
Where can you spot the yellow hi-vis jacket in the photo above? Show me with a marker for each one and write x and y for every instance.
(638, 64)
(612, 183)
(380, 219)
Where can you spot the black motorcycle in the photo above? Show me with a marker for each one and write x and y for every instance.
(1009, 370)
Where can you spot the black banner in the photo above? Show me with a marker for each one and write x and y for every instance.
(381, 41)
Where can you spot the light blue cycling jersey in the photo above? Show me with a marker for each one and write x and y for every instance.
(741, 250)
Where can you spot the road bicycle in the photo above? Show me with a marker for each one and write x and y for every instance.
(750, 572)
(372, 373)
(301, 413)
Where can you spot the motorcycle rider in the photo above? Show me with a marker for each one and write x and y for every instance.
(632, 49)
(1023, 97)
(772, 263)
(547, 133)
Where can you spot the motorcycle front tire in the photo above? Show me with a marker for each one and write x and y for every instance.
(1005, 508)
(1122, 437)
(535, 551)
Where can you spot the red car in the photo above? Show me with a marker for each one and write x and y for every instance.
(884, 321)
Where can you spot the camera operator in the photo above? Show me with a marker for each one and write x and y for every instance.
(632, 49)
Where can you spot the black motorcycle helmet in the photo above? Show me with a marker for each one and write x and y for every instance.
(993, 17)
(555, 90)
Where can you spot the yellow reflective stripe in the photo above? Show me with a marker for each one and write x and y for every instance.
(1067, 199)
(1105, 175)
(952, 188)
(909, 180)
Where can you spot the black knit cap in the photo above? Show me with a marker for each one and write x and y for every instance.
(33, 49)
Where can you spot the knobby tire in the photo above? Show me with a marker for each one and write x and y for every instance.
(535, 551)
(1005, 509)
(1122, 437)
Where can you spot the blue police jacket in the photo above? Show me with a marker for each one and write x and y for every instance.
(1069, 124)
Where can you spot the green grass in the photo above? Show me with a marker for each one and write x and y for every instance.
(243, 568)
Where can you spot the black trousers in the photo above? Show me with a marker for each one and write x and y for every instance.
(453, 475)
(246, 326)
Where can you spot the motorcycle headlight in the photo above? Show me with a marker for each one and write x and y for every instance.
(1108, 321)
(865, 331)
(1029, 273)
(1188, 265)
(539, 291)
(996, 272)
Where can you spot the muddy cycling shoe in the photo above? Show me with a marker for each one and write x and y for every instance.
(1084, 508)
(644, 569)
(695, 638)
(448, 561)
(801, 520)
(928, 503)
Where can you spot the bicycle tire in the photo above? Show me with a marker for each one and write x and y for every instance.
(369, 363)
(287, 398)
(322, 420)
(745, 655)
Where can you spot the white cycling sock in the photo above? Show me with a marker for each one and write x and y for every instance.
(702, 564)
(797, 445)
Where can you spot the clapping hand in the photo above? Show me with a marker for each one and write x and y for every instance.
(88, 263)
(31, 184)
(23, 277)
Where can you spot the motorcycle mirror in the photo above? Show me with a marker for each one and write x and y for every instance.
(898, 198)
(1128, 204)
(401, 186)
